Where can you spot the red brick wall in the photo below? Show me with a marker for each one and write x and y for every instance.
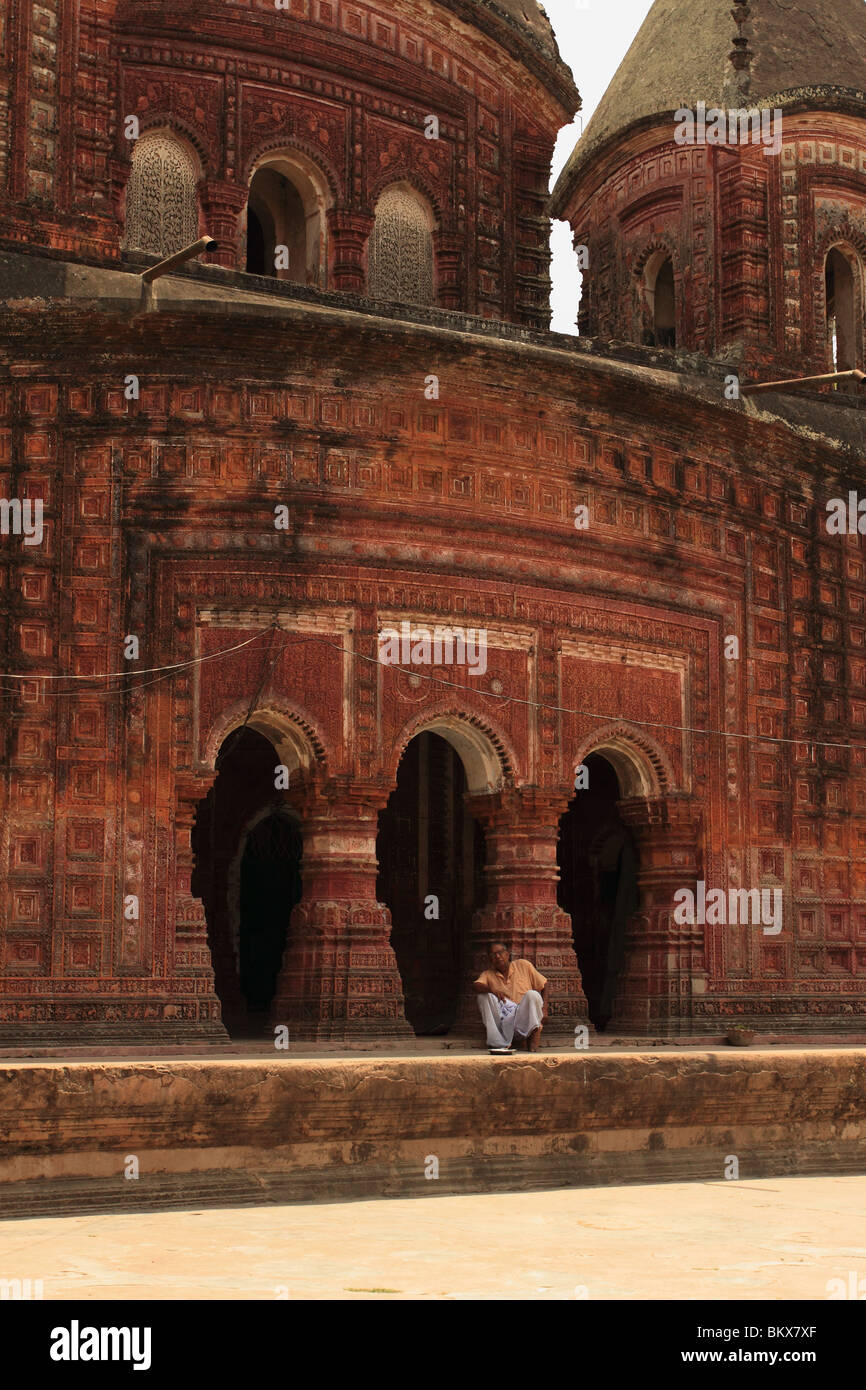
(159, 521)
(747, 235)
(348, 85)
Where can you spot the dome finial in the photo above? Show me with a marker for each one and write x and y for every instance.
(740, 56)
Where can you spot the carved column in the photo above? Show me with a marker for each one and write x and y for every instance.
(348, 233)
(212, 853)
(521, 827)
(449, 251)
(192, 957)
(339, 977)
(665, 963)
(118, 174)
(222, 205)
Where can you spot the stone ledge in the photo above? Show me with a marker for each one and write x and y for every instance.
(232, 1132)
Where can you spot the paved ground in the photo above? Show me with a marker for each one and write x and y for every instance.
(770, 1239)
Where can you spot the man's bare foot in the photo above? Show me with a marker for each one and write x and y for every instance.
(534, 1040)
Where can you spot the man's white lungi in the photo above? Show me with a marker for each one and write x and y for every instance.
(502, 1019)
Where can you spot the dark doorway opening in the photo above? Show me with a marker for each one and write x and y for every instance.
(247, 872)
(841, 312)
(430, 847)
(276, 228)
(255, 245)
(665, 309)
(270, 885)
(598, 884)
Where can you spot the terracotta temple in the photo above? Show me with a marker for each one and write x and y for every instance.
(220, 810)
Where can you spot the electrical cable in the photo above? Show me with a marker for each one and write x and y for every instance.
(413, 671)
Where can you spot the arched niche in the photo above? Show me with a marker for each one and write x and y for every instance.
(431, 855)
(286, 219)
(660, 295)
(247, 852)
(296, 744)
(598, 877)
(161, 213)
(642, 767)
(400, 250)
(842, 298)
(484, 763)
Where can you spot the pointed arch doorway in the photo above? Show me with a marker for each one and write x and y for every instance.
(598, 887)
(247, 870)
(431, 858)
(841, 298)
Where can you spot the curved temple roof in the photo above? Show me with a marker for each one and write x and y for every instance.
(522, 26)
(528, 15)
(528, 19)
(682, 52)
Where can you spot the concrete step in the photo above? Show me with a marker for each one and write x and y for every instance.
(244, 1131)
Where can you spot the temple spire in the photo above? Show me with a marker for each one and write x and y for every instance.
(740, 56)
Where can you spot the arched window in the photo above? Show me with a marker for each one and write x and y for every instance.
(841, 301)
(661, 300)
(161, 206)
(400, 250)
(285, 221)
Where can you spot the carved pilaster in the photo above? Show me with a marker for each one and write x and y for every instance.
(118, 175)
(191, 950)
(521, 874)
(339, 978)
(665, 962)
(348, 233)
(449, 253)
(222, 205)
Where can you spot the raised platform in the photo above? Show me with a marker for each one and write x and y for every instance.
(298, 1129)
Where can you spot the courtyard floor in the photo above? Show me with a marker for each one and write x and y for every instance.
(763, 1240)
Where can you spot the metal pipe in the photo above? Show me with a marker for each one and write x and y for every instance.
(196, 248)
(854, 375)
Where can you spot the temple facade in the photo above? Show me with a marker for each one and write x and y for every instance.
(352, 620)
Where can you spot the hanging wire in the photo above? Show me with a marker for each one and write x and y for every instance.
(503, 699)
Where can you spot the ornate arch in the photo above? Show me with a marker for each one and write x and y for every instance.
(177, 127)
(161, 212)
(270, 149)
(654, 246)
(488, 759)
(850, 241)
(410, 179)
(296, 741)
(843, 234)
(400, 256)
(641, 764)
(303, 229)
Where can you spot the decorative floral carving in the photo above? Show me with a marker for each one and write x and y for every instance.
(161, 208)
(400, 254)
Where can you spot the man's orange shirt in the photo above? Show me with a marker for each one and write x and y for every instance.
(522, 975)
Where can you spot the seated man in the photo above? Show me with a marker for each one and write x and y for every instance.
(511, 997)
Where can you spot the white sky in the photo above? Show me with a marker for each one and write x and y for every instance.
(594, 37)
